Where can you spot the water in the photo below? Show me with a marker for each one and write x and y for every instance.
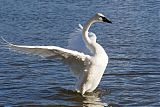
(132, 43)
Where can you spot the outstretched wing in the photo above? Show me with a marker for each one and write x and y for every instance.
(76, 41)
(76, 60)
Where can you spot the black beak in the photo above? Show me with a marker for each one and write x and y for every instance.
(106, 20)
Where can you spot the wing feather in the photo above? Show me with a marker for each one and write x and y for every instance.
(76, 41)
(76, 60)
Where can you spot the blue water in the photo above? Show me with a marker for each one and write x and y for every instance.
(132, 41)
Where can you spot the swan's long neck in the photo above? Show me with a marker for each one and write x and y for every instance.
(86, 38)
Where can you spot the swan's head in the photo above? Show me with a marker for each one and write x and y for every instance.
(101, 18)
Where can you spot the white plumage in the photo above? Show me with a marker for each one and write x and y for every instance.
(76, 41)
(87, 67)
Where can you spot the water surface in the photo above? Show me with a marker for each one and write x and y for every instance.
(132, 43)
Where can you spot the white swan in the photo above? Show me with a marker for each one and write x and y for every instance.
(87, 68)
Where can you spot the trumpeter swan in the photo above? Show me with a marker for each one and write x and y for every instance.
(87, 68)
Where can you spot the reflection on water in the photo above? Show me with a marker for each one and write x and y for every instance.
(87, 100)
(93, 101)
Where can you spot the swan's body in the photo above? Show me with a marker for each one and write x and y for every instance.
(87, 68)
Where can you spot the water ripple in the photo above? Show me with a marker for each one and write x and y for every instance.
(132, 43)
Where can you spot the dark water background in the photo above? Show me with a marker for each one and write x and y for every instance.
(132, 42)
